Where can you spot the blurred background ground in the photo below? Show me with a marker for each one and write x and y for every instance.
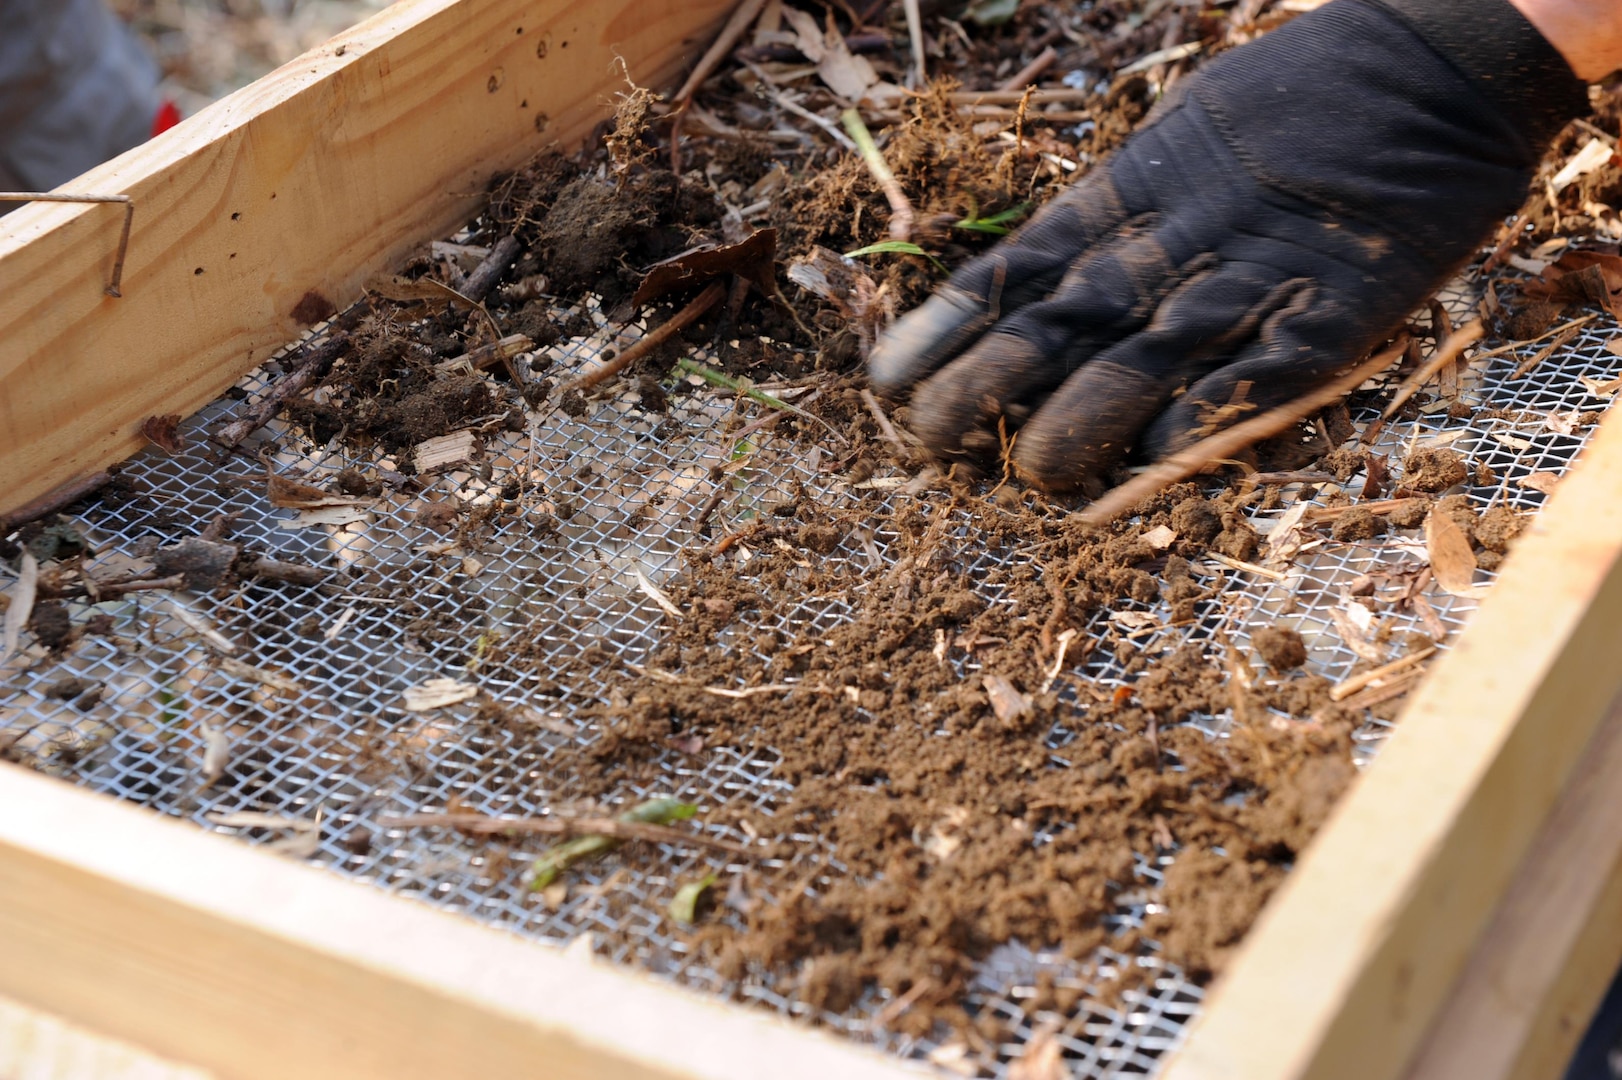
(208, 48)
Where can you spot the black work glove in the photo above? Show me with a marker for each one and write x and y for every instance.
(1279, 215)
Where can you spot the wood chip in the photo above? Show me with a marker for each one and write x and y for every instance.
(445, 451)
(1453, 564)
(251, 819)
(1545, 482)
(1160, 538)
(22, 604)
(216, 753)
(437, 694)
(656, 594)
(201, 627)
(1007, 702)
(326, 517)
(275, 680)
(1354, 638)
(1347, 687)
(1592, 156)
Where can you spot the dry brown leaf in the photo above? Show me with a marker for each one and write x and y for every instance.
(1453, 564)
(1007, 702)
(297, 495)
(754, 259)
(846, 74)
(1545, 482)
(164, 432)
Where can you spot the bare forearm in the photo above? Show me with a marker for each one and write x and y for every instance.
(1588, 33)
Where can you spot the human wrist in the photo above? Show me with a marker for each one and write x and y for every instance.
(1588, 33)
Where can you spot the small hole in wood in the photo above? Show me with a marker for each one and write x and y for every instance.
(541, 120)
(237, 216)
(197, 271)
(497, 77)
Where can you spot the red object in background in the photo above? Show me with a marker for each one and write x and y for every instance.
(168, 116)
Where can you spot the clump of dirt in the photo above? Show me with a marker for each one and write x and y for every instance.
(1497, 528)
(1279, 647)
(600, 236)
(935, 786)
(1358, 523)
(1434, 469)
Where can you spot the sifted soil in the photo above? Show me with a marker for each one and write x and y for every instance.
(914, 739)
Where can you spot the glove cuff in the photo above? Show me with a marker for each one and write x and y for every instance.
(1505, 57)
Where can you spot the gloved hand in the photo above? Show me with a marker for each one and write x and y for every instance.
(1277, 216)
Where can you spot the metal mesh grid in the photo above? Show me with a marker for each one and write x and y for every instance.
(612, 493)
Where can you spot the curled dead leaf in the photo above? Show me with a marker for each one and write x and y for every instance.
(1453, 564)
(753, 259)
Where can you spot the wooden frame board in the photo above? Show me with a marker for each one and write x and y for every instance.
(1420, 924)
(266, 210)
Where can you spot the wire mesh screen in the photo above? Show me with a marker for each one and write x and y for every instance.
(289, 702)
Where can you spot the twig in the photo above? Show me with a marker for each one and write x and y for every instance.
(289, 573)
(652, 339)
(915, 30)
(123, 236)
(901, 215)
(1228, 443)
(1543, 354)
(1500, 350)
(1012, 97)
(488, 356)
(477, 285)
(886, 428)
(54, 500)
(1461, 339)
(721, 379)
(1240, 564)
(1298, 476)
(312, 360)
(485, 825)
(102, 590)
(1028, 74)
(745, 14)
(1347, 687)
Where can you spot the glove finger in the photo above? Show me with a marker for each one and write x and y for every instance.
(1029, 353)
(1300, 348)
(1088, 424)
(1021, 269)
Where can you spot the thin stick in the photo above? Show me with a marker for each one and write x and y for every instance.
(1500, 350)
(1543, 354)
(1459, 340)
(1028, 74)
(485, 825)
(54, 500)
(901, 215)
(1347, 687)
(1228, 443)
(915, 30)
(312, 360)
(653, 338)
(123, 236)
(477, 285)
(1012, 97)
(886, 428)
(745, 14)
